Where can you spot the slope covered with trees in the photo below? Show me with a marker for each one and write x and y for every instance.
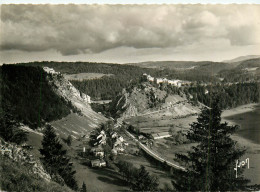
(231, 96)
(26, 90)
(123, 76)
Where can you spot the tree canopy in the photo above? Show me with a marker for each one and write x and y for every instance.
(210, 164)
(55, 159)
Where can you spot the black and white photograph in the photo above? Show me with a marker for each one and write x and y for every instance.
(103, 96)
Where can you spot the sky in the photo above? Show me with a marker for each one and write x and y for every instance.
(128, 33)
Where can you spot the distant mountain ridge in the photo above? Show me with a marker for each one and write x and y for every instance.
(242, 58)
(204, 67)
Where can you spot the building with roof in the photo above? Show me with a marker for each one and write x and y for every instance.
(161, 135)
(98, 152)
(98, 163)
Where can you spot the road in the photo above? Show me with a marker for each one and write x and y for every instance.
(153, 154)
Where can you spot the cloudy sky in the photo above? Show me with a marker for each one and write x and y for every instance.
(128, 33)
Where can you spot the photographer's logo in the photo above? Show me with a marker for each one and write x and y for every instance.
(241, 164)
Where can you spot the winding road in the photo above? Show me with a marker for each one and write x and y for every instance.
(153, 154)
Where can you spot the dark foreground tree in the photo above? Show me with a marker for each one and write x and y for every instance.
(54, 158)
(84, 188)
(144, 181)
(210, 164)
(68, 140)
(9, 129)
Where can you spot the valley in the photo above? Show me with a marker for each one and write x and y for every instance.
(150, 119)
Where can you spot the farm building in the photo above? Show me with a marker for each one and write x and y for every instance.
(98, 152)
(160, 135)
(98, 163)
(159, 80)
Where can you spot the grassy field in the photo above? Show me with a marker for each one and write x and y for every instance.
(85, 76)
(74, 125)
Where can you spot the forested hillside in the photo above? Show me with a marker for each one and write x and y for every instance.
(248, 70)
(1, 83)
(231, 96)
(27, 94)
(123, 76)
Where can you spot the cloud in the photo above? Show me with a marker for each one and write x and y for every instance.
(80, 29)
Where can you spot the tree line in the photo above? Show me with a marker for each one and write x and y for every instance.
(123, 76)
(231, 96)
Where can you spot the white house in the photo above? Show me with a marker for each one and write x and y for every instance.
(165, 80)
(175, 82)
(85, 97)
(98, 163)
(150, 78)
(98, 152)
(50, 70)
(159, 80)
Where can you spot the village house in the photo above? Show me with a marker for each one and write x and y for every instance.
(98, 163)
(113, 135)
(176, 82)
(159, 80)
(141, 137)
(98, 152)
(150, 78)
(101, 139)
(119, 145)
(185, 83)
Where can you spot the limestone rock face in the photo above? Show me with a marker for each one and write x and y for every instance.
(80, 101)
(18, 154)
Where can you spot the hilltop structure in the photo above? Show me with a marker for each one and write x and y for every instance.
(175, 82)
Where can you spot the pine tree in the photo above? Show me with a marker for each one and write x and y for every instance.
(54, 158)
(9, 128)
(210, 164)
(69, 140)
(84, 188)
(145, 181)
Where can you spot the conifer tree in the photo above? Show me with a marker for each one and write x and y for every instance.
(145, 181)
(9, 128)
(54, 158)
(210, 164)
(84, 188)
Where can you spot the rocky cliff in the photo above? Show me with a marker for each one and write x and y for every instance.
(80, 101)
(22, 156)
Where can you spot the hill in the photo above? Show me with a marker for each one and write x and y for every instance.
(28, 94)
(36, 97)
(248, 70)
(242, 58)
(202, 66)
(118, 76)
(149, 102)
